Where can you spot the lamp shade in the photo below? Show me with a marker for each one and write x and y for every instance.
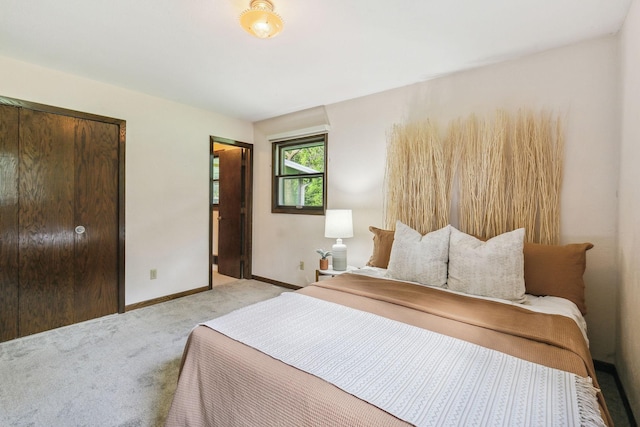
(338, 223)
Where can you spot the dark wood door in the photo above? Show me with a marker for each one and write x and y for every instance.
(96, 209)
(46, 221)
(68, 179)
(9, 138)
(230, 220)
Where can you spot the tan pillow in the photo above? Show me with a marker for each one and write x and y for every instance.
(557, 271)
(382, 243)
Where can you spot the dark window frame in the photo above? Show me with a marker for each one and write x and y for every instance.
(277, 148)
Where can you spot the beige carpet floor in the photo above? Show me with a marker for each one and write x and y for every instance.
(118, 370)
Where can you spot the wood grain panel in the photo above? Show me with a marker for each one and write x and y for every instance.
(96, 208)
(9, 277)
(230, 222)
(46, 221)
(59, 168)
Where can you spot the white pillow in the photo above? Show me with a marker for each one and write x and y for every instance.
(417, 258)
(494, 268)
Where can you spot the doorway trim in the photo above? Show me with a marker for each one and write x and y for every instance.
(247, 225)
(122, 131)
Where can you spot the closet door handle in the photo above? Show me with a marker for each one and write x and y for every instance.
(80, 229)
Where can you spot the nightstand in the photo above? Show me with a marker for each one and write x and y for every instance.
(332, 273)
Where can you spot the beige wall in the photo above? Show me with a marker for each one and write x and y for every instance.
(628, 349)
(578, 81)
(167, 172)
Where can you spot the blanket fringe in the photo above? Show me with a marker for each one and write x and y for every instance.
(588, 402)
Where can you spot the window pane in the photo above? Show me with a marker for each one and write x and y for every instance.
(300, 191)
(215, 196)
(216, 167)
(300, 159)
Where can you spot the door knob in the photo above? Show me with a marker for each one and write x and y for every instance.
(80, 229)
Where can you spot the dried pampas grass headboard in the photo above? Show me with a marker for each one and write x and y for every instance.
(499, 173)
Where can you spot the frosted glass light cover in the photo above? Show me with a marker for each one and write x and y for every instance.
(260, 20)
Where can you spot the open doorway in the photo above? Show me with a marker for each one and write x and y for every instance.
(230, 219)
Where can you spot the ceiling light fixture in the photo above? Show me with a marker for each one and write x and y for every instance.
(260, 20)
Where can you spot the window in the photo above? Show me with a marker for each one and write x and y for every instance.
(215, 180)
(299, 177)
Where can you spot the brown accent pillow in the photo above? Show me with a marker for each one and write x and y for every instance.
(382, 243)
(556, 270)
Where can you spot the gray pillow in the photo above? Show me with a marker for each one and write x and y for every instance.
(417, 258)
(494, 268)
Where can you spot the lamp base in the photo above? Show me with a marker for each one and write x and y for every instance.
(339, 256)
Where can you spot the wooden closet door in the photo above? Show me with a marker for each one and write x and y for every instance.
(68, 179)
(9, 138)
(46, 221)
(96, 209)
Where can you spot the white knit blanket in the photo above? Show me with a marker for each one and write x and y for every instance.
(421, 377)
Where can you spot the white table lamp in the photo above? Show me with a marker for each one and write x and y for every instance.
(338, 224)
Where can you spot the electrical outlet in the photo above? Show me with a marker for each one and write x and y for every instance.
(153, 274)
(301, 266)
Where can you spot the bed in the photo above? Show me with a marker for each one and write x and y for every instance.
(370, 349)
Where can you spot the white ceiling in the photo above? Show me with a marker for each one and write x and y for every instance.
(194, 51)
